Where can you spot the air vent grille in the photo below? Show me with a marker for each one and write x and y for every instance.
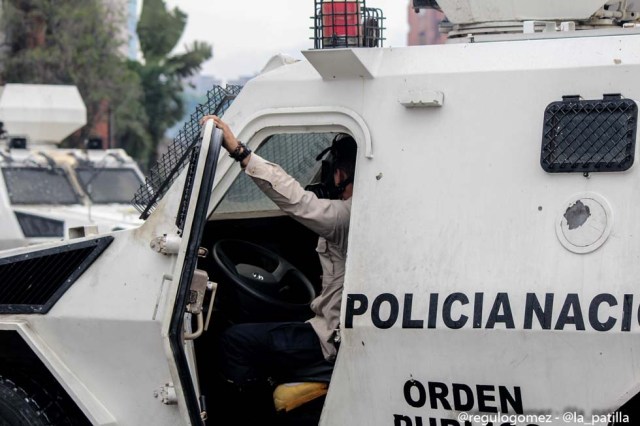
(582, 136)
(34, 281)
(37, 226)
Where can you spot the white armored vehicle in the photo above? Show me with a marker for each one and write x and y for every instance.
(493, 261)
(47, 192)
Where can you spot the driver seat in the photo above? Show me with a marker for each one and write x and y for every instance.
(303, 386)
(289, 396)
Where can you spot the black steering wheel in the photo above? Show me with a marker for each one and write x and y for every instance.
(268, 287)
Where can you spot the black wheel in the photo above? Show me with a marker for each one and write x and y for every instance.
(19, 407)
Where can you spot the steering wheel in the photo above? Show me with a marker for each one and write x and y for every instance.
(267, 286)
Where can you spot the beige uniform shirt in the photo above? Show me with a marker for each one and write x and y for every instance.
(330, 220)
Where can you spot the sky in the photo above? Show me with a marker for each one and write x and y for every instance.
(246, 34)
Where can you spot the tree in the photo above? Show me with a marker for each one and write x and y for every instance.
(162, 73)
(76, 42)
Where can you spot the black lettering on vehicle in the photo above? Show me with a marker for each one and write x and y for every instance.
(506, 400)
(571, 303)
(477, 310)
(485, 397)
(400, 420)
(446, 310)
(501, 302)
(421, 398)
(352, 310)
(458, 389)
(394, 308)
(532, 306)
(459, 397)
(627, 307)
(458, 311)
(438, 392)
(433, 310)
(593, 312)
(407, 321)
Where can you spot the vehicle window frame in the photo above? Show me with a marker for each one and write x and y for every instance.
(256, 126)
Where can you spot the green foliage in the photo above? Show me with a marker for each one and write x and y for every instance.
(76, 42)
(161, 74)
(159, 30)
(132, 123)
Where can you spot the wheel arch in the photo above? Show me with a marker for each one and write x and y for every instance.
(22, 352)
(21, 366)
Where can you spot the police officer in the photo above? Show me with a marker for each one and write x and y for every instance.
(252, 351)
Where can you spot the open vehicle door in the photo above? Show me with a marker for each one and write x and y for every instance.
(191, 220)
(98, 322)
(184, 177)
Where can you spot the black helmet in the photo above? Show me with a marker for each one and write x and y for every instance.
(343, 151)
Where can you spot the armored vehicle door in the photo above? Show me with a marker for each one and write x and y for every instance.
(102, 322)
(188, 285)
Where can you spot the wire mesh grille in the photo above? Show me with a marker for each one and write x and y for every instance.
(347, 23)
(32, 282)
(582, 136)
(164, 173)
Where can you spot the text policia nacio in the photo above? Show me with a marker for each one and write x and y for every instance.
(602, 312)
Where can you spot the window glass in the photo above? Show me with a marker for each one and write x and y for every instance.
(295, 153)
(39, 185)
(108, 185)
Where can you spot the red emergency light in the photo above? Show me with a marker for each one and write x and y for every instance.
(347, 23)
(341, 18)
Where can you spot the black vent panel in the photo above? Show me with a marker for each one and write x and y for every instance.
(581, 136)
(36, 226)
(33, 282)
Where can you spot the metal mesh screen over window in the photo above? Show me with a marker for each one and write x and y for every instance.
(168, 168)
(295, 153)
(582, 136)
(108, 185)
(347, 23)
(39, 185)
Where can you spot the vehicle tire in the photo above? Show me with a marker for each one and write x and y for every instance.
(20, 408)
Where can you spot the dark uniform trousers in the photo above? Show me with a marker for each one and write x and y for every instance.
(256, 351)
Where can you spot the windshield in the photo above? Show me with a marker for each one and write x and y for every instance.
(108, 185)
(39, 185)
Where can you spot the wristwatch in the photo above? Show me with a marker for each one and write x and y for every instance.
(240, 153)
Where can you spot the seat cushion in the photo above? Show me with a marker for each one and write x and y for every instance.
(288, 396)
